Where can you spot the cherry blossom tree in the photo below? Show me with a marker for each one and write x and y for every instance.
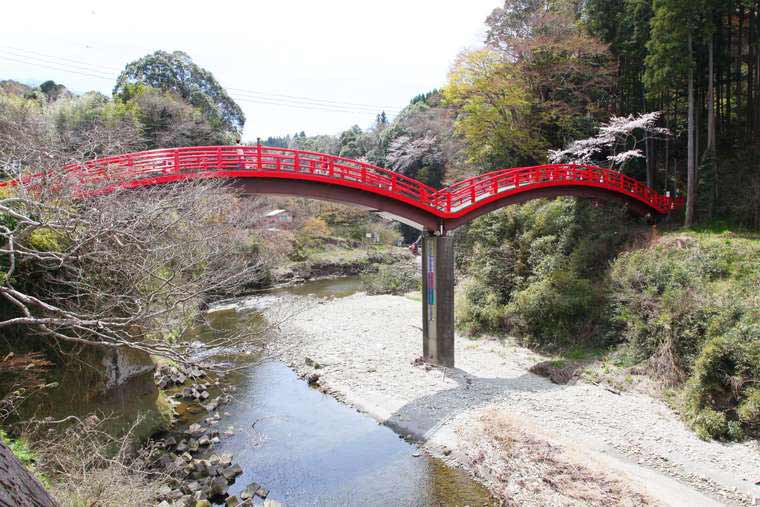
(618, 141)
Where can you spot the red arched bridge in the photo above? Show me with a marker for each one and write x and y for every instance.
(262, 169)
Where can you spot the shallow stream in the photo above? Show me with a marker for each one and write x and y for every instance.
(303, 445)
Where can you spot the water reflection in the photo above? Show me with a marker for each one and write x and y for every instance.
(308, 449)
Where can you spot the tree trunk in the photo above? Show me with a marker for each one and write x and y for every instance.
(738, 67)
(651, 162)
(691, 173)
(18, 487)
(711, 98)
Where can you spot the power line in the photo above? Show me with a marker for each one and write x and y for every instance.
(326, 101)
(295, 106)
(86, 69)
(329, 104)
(27, 53)
(260, 101)
(49, 66)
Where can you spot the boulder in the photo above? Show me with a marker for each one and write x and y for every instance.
(122, 364)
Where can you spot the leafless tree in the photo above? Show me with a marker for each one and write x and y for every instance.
(124, 269)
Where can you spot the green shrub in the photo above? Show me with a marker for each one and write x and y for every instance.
(538, 270)
(478, 310)
(689, 306)
(749, 410)
(709, 423)
(555, 311)
(392, 279)
(46, 240)
(725, 377)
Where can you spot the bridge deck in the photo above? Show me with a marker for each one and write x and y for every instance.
(456, 201)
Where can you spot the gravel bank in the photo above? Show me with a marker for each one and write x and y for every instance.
(530, 441)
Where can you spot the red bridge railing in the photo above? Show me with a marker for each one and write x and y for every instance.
(174, 164)
(460, 197)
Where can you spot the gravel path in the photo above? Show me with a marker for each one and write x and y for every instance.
(366, 346)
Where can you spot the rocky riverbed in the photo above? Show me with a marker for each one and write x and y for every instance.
(531, 441)
(199, 476)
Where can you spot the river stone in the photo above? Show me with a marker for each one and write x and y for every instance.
(192, 486)
(213, 459)
(175, 494)
(165, 461)
(202, 503)
(215, 440)
(170, 442)
(182, 446)
(249, 491)
(225, 459)
(232, 501)
(262, 492)
(204, 441)
(272, 503)
(218, 487)
(192, 445)
(187, 457)
(205, 395)
(200, 466)
(232, 472)
(195, 429)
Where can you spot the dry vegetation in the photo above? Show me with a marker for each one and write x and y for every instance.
(523, 470)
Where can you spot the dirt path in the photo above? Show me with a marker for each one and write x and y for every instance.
(531, 441)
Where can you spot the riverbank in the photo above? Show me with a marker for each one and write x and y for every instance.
(338, 261)
(530, 441)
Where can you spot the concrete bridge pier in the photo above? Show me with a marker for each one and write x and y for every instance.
(438, 299)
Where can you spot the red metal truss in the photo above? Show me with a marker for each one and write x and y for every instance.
(456, 201)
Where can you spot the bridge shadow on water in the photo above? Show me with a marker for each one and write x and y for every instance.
(422, 416)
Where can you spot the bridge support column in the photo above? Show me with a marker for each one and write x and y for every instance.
(438, 299)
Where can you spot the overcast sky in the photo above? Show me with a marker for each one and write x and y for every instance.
(292, 65)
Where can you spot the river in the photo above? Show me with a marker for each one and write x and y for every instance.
(301, 444)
